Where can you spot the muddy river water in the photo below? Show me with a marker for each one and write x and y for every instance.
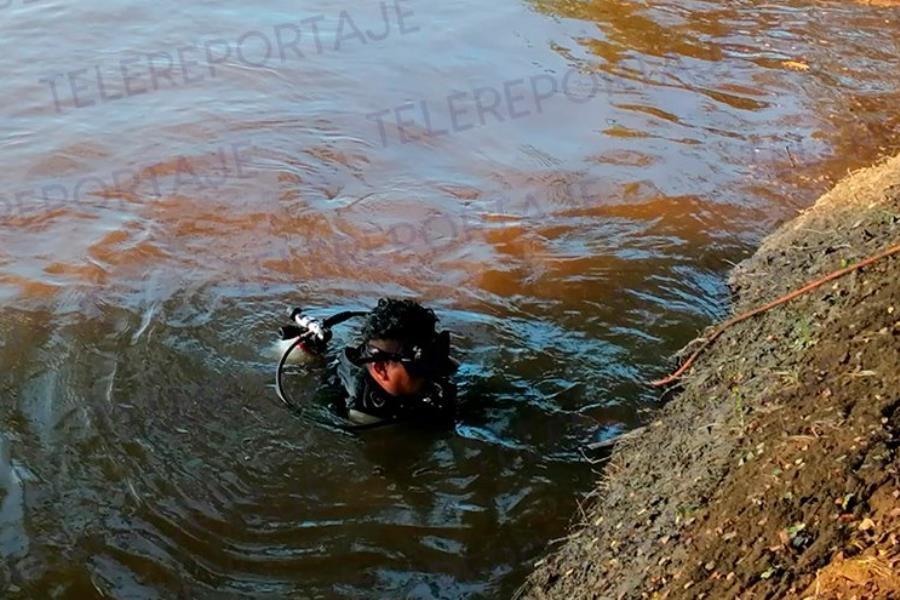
(566, 182)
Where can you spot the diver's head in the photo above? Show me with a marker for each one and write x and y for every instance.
(401, 348)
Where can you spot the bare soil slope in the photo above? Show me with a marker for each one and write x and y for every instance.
(775, 472)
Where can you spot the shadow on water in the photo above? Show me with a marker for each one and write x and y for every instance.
(156, 442)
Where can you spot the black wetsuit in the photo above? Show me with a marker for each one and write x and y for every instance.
(365, 402)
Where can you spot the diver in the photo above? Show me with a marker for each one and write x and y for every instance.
(400, 370)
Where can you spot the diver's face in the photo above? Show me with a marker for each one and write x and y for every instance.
(400, 382)
(393, 377)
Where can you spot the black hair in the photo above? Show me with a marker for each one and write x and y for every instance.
(403, 321)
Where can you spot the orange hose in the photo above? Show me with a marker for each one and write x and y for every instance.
(761, 309)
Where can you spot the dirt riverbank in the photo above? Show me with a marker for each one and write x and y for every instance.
(774, 473)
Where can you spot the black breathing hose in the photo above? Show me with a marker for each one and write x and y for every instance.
(279, 375)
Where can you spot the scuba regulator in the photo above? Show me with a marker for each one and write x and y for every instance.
(310, 336)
